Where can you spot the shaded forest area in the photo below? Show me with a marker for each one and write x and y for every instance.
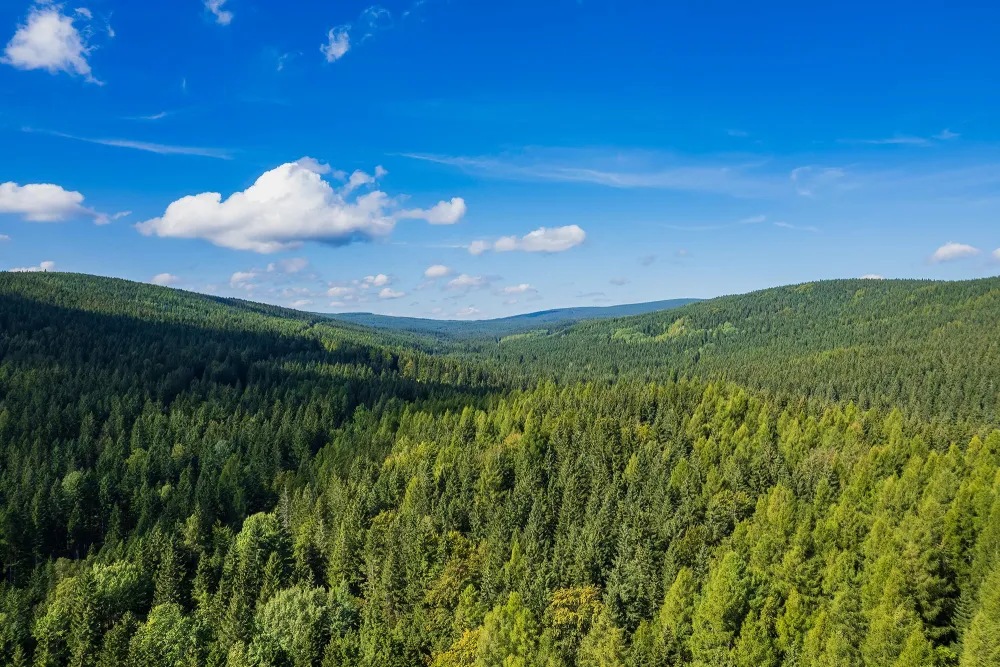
(195, 481)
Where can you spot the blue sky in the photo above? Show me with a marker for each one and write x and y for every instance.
(470, 159)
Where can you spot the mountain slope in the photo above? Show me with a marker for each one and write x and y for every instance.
(932, 347)
(506, 326)
(194, 481)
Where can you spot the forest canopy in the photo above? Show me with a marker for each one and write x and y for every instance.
(801, 476)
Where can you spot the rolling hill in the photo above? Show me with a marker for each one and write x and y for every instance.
(186, 480)
(931, 347)
(506, 326)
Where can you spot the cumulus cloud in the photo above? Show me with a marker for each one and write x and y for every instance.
(243, 280)
(284, 208)
(872, 276)
(340, 292)
(544, 239)
(45, 202)
(389, 293)
(222, 16)
(48, 40)
(300, 303)
(519, 289)
(437, 271)
(467, 283)
(443, 213)
(468, 312)
(164, 279)
(375, 281)
(4, 237)
(44, 266)
(478, 247)
(952, 251)
(996, 254)
(338, 43)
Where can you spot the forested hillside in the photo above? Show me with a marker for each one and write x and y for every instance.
(931, 348)
(506, 326)
(193, 481)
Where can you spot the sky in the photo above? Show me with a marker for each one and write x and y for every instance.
(468, 159)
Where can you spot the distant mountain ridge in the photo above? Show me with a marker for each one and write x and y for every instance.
(506, 326)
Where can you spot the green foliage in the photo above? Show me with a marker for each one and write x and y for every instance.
(191, 481)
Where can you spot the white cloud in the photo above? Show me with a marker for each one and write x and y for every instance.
(898, 140)
(164, 279)
(290, 265)
(478, 247)
(619, 281)
(544, 239)
(339, 292)
(442, 213)
(222, 17)
(103, 219)
(947, 134)
(466, 282)
(804, 228)
(155, 116)
(510, 302)
(375, 281)
(44, 202)
(951, 251)
(357, 179)
(314, 165)
(996, 253)
(4, 237)
(872, 276)
(380, 171)
(44, 266)
(243, 279)
(618, 170)
(519, 289)
(338, 43)
(437, 271)
(389, 293)
(160, 149)
(468, 312)
(301, 303)
(284, 208)
(48, 40)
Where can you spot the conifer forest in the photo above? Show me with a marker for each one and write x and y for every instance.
(802, 476)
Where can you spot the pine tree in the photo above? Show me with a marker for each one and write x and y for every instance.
(981, 645)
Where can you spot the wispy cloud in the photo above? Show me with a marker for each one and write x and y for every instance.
(898, 140)
(801, 228)
(618, 170)
(752, 220)
(904, 139)
(340, 39)
(155, 116)
(222, 16)
(162, 149)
